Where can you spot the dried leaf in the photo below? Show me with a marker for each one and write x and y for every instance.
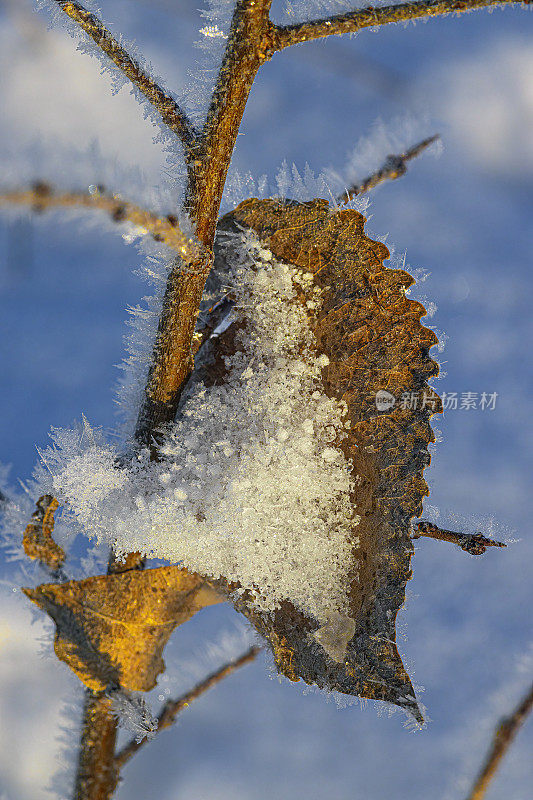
(372, 335)
(111, 629)
(38, 542)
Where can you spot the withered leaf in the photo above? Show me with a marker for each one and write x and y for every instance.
(375, 342)
(37, 541)
(111, 629)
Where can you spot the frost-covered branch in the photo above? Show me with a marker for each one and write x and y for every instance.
(172, 708)
(42, 197)
(394, 167)
(97, 774)
(501, 741)
(247, 48)
(473, 543)
(171, 114)
(286, 35)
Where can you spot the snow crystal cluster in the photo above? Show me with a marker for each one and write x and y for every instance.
(251, 484)
(133, 714)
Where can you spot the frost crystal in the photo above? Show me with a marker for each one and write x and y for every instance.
(133, 714)
(250, 485)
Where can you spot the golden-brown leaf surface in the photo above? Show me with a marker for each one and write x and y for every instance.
(111, 629)
(373, 337)
(37, 541)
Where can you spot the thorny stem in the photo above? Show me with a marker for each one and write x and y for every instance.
(172, 708)
(370, 17)
(473, 543)
(501, 741)
(42, 197)
(394, 167)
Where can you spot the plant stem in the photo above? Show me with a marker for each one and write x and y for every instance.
(172, 708)
(501, 741)
(172, 363)
(97, 775)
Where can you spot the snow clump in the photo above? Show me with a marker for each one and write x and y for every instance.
(251, 484)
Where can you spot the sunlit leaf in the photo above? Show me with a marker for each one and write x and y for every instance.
(37, 541)
(111, 629)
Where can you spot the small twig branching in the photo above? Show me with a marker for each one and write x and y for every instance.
(41, 197)
(172, 708)
(473, 543)
(502, 739)
(372, 17)
(171, 114)
(394, 167)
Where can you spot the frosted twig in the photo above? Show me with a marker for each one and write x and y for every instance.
(374, 16)
(394, 167)
(172, 708)
(502, 739)
(247, 48)
(473, 543)
(97, 774)
(171, 114)
(41, 197)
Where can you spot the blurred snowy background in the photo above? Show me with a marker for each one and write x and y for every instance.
(465, 632)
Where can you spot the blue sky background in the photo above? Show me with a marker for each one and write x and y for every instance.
(465, 632)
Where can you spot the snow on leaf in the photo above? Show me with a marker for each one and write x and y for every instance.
(371, 340)
(282, 478)
(111, 629)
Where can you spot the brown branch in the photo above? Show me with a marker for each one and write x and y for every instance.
(97, 774)
(394, 167)
(473, 543)
(172, 708)
(41, 198)
(353, 21)
(171, 114)
(172, 362)
(249, 46)
(501, 741)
